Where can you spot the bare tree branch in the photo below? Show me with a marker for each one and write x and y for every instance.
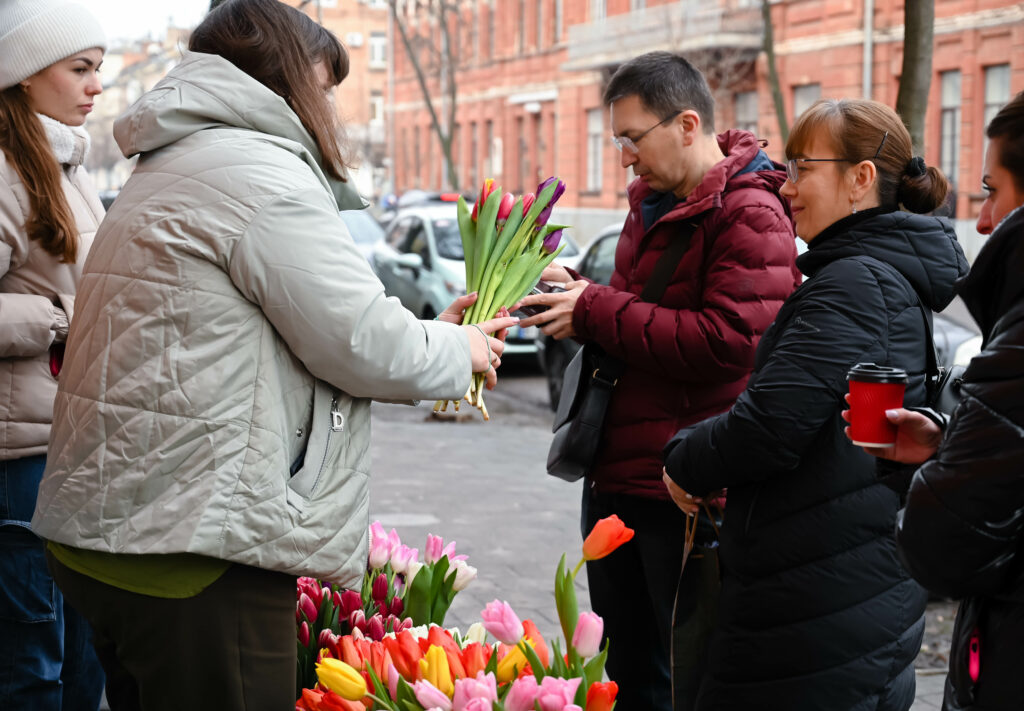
(916, 75)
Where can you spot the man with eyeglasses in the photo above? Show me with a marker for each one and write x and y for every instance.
(688, 356)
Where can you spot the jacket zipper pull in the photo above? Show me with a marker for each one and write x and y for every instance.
(337, 419)
(974, 655)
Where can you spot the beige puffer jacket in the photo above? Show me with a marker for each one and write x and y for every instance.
(228, 338)
(34, 287)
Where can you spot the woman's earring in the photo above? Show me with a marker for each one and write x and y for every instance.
(853, 208)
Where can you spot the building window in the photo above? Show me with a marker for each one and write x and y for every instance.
(490, 167)
(376, 107)
(522, 25)
(474, 154)
(416, 157)
(524, 153)
(378, 50)
(949, 132)
(635, 5)
(803, 97)
(492, 39)
(378, 4)
(598, 10)
(746, 111)
(997, 90)
(595, 142)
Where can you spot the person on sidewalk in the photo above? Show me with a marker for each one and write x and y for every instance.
(816, 611)
(211, 430)
(50, 55)
(688, 356)
(961, 531)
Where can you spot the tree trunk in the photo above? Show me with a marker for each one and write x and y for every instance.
(916, 75)
(443, 137)
(773, 73)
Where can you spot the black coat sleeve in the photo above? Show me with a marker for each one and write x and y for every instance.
(840, 319)
(962, 526)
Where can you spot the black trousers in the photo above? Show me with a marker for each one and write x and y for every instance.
(232, 646)
(634, 590)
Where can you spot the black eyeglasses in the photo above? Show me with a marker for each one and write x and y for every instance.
(629, 144)
(793, 170)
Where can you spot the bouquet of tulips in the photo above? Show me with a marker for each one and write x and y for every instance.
(429, 667)
(397, 593)
(507, 242)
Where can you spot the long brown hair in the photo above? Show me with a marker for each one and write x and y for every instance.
(25, 144)
(277, 46)
(861, 129)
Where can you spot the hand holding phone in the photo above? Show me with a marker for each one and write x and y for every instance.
(543, 287)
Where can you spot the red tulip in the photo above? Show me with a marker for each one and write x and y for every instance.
(474, 658)
(505, 206)
(304, 634)
(607, 535)
(601, 695)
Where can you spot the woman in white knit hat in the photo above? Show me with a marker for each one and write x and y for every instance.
(50, 53)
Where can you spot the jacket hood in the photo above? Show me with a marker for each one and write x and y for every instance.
(995, 283)
(745, 165)
(207, 91)
(923, 249)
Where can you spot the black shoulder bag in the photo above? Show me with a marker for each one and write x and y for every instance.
(591, 377)
(943, 384)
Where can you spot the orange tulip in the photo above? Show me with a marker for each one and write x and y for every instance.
(350, 652)
(607, 535)
(474, 658)
(405, 654)
(537, 641)
(601, 695)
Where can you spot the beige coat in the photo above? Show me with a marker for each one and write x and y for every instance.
(33, 286)
(228, 338)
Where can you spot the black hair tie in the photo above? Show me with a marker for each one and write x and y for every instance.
(916, 167)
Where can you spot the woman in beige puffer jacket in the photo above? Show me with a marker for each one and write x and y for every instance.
(50, 52)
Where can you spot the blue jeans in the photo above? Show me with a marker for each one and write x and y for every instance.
(47, 660)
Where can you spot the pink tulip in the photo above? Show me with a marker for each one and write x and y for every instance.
(528, 201)
(393, 677)
(324, 640)
(375, 628)
(307, 607)
(482, 688)
(449, 550)
(505, 206)
(522, 694)
(555, 694)
(401, 556)
(587, 638)
(464, 575)
(304, 634)
(430, 697)
(502, 622)
(350, 601)
(380, 546)
(432, 552)
(357, 620)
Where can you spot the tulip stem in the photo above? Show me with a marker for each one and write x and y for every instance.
(578, 566)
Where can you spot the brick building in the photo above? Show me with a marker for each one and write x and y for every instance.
(529, 76)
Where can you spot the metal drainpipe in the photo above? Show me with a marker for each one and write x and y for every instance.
(869, 46)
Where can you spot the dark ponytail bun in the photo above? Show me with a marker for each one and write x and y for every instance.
(924, 192)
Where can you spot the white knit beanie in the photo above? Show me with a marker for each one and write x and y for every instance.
(36, 33)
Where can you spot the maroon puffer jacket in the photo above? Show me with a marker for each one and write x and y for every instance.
(689, 356)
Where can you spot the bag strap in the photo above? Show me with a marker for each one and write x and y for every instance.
(609, 368)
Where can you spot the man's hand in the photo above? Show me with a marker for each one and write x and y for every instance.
(917, 437)
(556, 321)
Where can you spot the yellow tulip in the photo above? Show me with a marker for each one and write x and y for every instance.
(512, 663)
(435, 669)
(341, 678)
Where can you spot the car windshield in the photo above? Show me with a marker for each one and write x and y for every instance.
(448, 239)
(363, 228)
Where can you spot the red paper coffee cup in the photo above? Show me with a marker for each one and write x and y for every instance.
(873, 390)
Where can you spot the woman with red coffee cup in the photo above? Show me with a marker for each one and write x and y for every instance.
(816, 611)
(961, 531)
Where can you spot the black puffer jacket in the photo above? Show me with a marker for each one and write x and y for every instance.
(963, 527)
(816, 611)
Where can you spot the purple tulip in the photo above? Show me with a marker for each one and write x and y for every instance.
(551, 241)
(587, 637)
(546, 183)
(544, 216)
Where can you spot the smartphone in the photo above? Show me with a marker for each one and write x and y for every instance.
(543, 287)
